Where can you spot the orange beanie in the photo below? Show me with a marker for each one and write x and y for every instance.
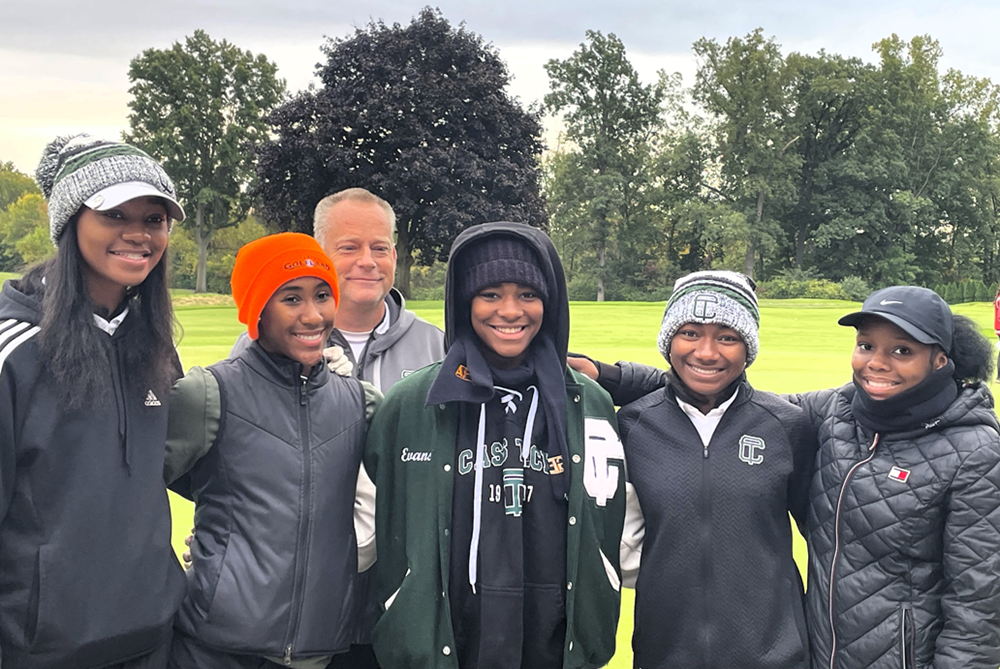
(265, 264)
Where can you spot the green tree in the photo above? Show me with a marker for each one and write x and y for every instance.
(744, 84)
(24, 233)
(200, 108)
(828, 96)
(14, 184)
(221, 255)
(914, 198)
(599, 185)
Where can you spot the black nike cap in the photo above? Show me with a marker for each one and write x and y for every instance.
(919, 312)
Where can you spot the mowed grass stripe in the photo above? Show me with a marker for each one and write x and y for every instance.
(802, 349)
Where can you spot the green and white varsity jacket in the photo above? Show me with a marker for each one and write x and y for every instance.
(410, 454)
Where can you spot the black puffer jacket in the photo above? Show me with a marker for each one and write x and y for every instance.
(904, 538)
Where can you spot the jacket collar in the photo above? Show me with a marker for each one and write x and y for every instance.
(281, 369)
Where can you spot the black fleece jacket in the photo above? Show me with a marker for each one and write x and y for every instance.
(87, 574)
(717, 585)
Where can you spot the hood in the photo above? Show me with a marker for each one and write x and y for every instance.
(17, 303)
(973, 406)
(555, 320)
(400, 321)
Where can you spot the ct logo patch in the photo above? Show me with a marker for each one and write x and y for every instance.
(749, 449)
(704, 305)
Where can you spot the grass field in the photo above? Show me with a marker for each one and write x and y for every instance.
(802, 348)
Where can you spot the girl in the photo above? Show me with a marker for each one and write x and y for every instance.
(500, 479)
(716, 467)
(271, 442)
(904, 526)
(87, 574)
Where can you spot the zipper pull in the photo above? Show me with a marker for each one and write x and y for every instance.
(706, 451)
(302, 390)
(288, 655)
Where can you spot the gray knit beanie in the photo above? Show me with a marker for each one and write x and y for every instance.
(498, 259)
(714, 296)
(80, 170)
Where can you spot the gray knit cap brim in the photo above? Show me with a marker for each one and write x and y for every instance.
(709, 307)
(75, 168)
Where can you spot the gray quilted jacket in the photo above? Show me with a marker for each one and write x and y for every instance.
(904, 538)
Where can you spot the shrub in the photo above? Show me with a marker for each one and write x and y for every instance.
(788, 286)
(855, 288)
(582, 287)
(984, 292)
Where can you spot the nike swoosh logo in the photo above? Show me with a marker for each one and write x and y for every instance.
(886, 302)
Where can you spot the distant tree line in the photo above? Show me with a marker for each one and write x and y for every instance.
(818, 175)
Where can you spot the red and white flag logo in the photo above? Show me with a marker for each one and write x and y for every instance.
(898, 474)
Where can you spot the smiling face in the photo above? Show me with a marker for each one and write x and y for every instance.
(887, 361)
(120, 247)
(707, 357)
(358, 239)
(506, 318)
(298, 319)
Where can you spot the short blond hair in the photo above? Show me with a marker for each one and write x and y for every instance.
(320, 215)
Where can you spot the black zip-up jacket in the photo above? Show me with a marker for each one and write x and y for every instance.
(87, 574)
(717, 586)
(275, 554)
(904, 538)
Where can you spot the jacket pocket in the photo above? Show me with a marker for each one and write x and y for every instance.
(392, 597)
(609, 570)
(907, 637)
(204, 576)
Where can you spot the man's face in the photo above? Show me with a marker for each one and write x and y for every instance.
(359, 241)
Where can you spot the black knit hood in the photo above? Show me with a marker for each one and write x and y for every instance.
(556, 319)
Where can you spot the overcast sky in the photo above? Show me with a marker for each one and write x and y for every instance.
(64, 63)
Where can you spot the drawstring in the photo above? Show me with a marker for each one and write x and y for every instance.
(477, 496)
(526, 442)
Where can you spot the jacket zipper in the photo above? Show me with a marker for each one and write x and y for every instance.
(303, 538)
(836, 543)
(706, 560)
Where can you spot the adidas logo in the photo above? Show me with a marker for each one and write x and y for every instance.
(151, 400)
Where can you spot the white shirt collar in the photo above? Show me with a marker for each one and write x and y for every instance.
(706, 423)
(112, 325)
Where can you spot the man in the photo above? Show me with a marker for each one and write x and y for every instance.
(382, 339)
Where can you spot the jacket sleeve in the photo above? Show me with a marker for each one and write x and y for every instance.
(817, 404)
(364, 497)
(804, 442)
(192, 422)
(970, 603)
(628, 381)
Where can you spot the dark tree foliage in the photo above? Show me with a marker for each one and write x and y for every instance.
(419, 115)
